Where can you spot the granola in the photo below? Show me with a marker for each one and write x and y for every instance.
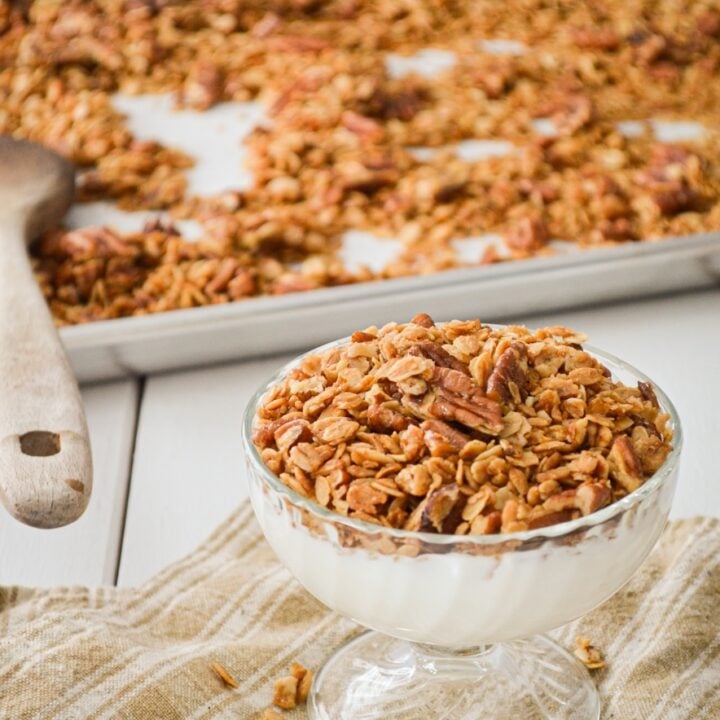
(461, 428)
(224, 675)
(337, 154)
(293, 689)
(588, 654)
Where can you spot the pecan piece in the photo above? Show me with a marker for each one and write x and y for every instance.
(484, 416)
(452, 437)
(678, 198)
(550, 518)
(457, 383)
(381, 417)
(565, 500)
(648, 393)
(402, 104)
(708, 23)
(438, 444)
(649, 446)
(587, 498)
(591, 497)
(663, 154)
(625, 466)
(423, 319)
(509, 378)
(440, 512)
(449, 191)
(527, 235)
(438, 354)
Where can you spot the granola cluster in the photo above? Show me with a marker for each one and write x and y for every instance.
(293, 689)
(461, 428)
(588, 654)
(339, 149)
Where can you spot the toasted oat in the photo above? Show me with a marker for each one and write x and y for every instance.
(588, 654)
(223, 674)
(508, 430)
(304, 677)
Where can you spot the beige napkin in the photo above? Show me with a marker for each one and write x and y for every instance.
(78, 653)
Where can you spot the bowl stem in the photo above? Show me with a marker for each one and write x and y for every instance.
(377, 677)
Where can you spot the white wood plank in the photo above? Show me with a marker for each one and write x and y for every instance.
(189, 472)
(85, 552)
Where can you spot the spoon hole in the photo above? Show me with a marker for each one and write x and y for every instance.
(40, 443)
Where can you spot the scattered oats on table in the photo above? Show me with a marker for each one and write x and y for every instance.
(293, 689)
(588, 654)
(461, 428)
(224, 675)
(285, 692)
(337, 153)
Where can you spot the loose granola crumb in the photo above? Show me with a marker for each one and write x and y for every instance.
(588, 654)
(460, 428)
(223, 674)
(304, 682)
(285, 692)
(293, 689)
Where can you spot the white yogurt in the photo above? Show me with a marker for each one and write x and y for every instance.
(459, 600)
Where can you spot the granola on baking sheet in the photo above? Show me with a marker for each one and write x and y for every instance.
(337, 150)
(461, 428)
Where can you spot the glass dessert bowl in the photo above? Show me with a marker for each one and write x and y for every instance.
(456, 620)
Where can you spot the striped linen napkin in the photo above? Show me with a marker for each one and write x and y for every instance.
(146, 653)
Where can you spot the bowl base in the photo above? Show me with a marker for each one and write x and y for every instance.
(377, 677)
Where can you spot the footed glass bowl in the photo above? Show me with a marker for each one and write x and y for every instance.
(455, 620)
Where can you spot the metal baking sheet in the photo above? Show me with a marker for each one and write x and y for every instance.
(264, 325)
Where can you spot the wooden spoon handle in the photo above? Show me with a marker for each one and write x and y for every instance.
(45, 461)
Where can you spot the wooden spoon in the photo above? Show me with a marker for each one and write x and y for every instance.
(45, 462)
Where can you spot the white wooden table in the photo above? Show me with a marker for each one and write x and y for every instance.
(169, 468)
